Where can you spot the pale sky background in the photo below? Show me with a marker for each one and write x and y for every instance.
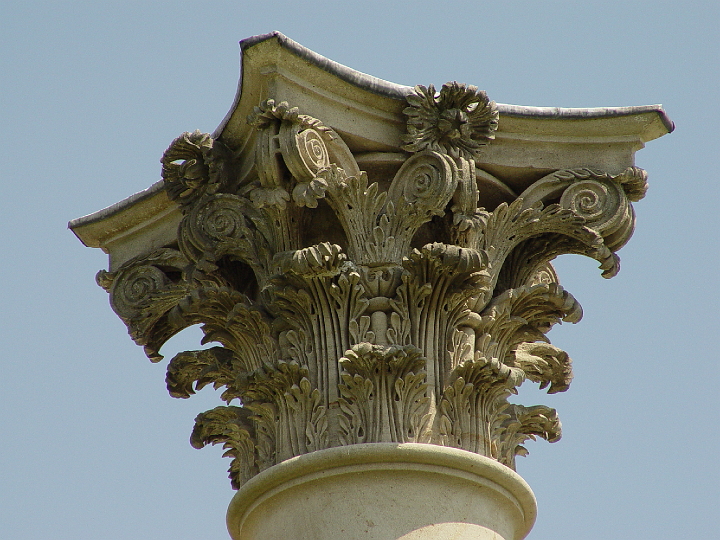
(91, 94)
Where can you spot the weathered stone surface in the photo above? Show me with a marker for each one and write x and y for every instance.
(373, 261)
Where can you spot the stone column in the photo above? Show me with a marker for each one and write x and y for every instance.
(372, 263)
(384, 491)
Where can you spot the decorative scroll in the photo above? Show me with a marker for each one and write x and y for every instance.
(413, 321)
(601, 199)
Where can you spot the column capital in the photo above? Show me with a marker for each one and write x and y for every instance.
(372, 262)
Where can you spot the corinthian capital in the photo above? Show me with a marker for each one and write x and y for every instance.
(374, 266)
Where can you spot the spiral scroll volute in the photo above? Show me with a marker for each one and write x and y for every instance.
(216, 219)
(545, 274)
(424, 184)
(307, 151)
(605, 208)
(600, 198)
(132, 289)
(304, 152)
(138, 280)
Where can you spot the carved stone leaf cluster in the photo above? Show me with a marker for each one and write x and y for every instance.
(371, 334)
(458, 120)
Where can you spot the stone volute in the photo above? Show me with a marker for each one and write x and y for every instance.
(372, 263)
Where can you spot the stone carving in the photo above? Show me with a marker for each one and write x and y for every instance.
(384, 394)
(350, 309)
(194, 165)
(457, 120)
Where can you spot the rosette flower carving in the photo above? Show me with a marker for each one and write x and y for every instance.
(458, 120)
(194, 165)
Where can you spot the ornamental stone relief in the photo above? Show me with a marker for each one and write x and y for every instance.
(351, 307)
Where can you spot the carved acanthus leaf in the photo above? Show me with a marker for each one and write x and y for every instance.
(521, 424)
(509, 225)
(190, 371)
(270, 198)
(521, 315)
(440, 282)
(363, 338)
(380, 226)
(321, 260)
(465, 201)
(269, 111)
(155, 309)
(473, 404)
(383, 394)
(194, 165)
(357, 206)
(230, 318)
(436, 260)
(455, 275)
(545, 364)
(308, 193)
(105, 279)
(634, 182)
(300, 300)
(534, 255)
(350, 303)
(288, 412)
(232, 427)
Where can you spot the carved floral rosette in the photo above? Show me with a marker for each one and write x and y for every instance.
(374, 334)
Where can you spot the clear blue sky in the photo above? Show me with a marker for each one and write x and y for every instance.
(91, 94)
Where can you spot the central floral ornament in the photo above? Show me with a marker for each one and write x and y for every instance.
(458, 120)
(347, 313)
